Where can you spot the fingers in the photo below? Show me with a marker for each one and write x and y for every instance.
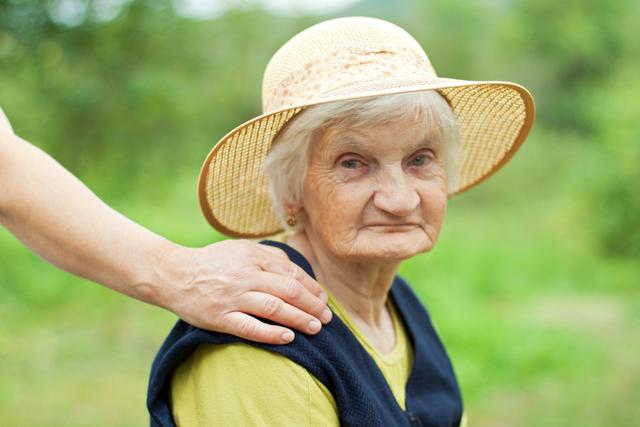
(271, 307)
(248, 327)
(236, 280)
(280, 264)
(276, 251)
(291, 291)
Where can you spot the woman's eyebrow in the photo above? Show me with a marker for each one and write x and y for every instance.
(350, 144)
(430, 140)
(347, 143)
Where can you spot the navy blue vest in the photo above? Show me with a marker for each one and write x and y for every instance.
(339, 361)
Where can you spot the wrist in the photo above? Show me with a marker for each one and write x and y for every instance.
(169, 274)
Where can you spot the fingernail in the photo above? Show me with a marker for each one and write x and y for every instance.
(324, 297)
(326, 316)
(314, 325)
(287, 336)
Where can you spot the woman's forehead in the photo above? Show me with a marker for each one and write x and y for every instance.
(410, 134)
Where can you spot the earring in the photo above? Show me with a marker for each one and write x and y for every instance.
(291, 220)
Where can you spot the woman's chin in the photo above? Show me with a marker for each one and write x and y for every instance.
(393, 246)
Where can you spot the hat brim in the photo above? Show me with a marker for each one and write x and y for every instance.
(495, 118)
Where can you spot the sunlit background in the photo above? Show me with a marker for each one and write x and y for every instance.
(534, 284)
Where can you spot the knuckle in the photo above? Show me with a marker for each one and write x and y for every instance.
(292, 270)
(235, 276)
(293, 289)
(281, 254)
(246, 327)
(272, 307)
(241, 247)
(318, 308)
(267, 264)
(249, 247)
(224, 324)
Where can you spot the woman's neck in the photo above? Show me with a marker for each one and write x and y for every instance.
(362, 288)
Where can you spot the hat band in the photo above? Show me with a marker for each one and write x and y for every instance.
(344, 68)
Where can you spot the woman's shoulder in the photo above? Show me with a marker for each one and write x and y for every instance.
(264, 387)
(240, 360)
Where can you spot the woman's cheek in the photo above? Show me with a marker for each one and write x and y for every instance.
(325, 187)
(321, 197)
(434, 201)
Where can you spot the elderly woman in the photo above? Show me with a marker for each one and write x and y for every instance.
(358, 150)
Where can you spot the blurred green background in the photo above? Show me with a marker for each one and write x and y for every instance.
(533, 284)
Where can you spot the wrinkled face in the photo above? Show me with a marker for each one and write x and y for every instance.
(376, 193)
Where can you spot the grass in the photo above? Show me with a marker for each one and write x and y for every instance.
(543, 329)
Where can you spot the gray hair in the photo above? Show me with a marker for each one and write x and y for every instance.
(285, 166)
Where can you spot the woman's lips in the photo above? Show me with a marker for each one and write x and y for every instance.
(393, 227)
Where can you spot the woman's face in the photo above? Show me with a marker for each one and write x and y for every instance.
(377, 193)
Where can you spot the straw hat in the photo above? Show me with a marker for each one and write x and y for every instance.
(350, 58)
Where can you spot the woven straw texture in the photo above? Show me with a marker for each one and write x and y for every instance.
(350, 58)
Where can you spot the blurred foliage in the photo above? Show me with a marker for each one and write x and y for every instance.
(533, 285)
(612, 194)
(152, 87)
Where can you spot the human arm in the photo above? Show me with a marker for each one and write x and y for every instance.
(216, 287)
(242, 385)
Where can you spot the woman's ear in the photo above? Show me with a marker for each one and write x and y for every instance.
(293, 211)
(292, 208)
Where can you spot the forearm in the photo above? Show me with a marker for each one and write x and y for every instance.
(60, 219)
(218, 287)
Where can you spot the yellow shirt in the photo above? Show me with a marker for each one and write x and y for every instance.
(241, 385)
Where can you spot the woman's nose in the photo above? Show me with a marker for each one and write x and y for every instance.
(396, 194)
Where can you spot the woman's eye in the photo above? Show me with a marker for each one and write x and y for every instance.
(420, 160)
(351, 163)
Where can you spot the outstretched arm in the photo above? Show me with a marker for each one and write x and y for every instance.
(217, 287)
